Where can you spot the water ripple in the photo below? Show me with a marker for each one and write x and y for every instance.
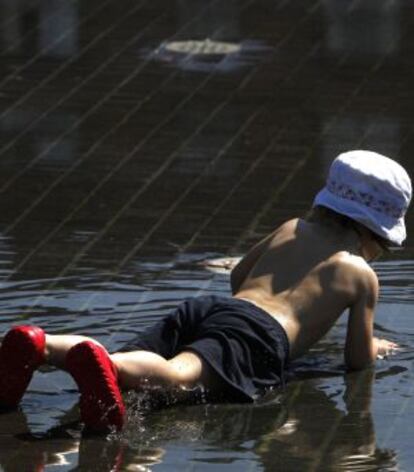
(396, 280)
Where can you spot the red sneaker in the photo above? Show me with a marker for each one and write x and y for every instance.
(101, 404)
(21, 353)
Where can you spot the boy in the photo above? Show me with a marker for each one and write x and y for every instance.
(288, 291)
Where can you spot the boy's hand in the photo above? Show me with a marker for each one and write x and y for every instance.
(385, 348)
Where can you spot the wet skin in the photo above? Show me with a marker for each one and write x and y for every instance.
(306, 275)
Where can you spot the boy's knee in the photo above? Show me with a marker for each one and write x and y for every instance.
(185, 369)
(179, 378)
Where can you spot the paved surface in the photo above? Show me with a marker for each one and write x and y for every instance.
(137, 133)
(147, 129)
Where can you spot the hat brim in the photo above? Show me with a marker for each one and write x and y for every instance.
(392, 229)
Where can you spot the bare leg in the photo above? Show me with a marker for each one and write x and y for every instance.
(58, 345)
(137, 369)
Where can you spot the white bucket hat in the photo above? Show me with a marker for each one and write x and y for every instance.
(370, 189)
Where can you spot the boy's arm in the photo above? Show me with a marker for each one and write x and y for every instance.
(243, 268)
(361, 349)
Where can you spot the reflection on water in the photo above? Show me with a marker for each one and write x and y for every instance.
(207, 38)
(308, 427)
(43, 140)
(209, 55)
(325, 420)
(381, 134)
(44, 28)
(363, 28)
(139, 137)
(6, 257)
(396, 278)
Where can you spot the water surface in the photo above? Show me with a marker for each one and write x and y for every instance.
(324, 420)
(140, 137)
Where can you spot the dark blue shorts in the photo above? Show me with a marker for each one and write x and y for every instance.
(245, 346)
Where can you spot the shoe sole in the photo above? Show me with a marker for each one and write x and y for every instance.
(20, 355)
(101, 405)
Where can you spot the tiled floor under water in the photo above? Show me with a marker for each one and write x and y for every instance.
(138, 137)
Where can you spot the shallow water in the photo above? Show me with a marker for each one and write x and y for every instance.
(138, 138)
(325, 420)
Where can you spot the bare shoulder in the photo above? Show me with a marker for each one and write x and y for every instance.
(365, 280)
(288, 227)
(356, 265)
(290, 224)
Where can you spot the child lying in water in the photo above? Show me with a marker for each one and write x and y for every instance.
(288, 291)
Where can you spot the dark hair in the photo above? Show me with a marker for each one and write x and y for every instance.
(324, 215)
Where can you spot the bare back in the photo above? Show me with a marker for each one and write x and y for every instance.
(303, 276)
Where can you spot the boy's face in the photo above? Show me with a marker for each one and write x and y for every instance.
(377, 247)
(372, 246)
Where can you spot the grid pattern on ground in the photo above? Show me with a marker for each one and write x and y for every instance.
(114, 146)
